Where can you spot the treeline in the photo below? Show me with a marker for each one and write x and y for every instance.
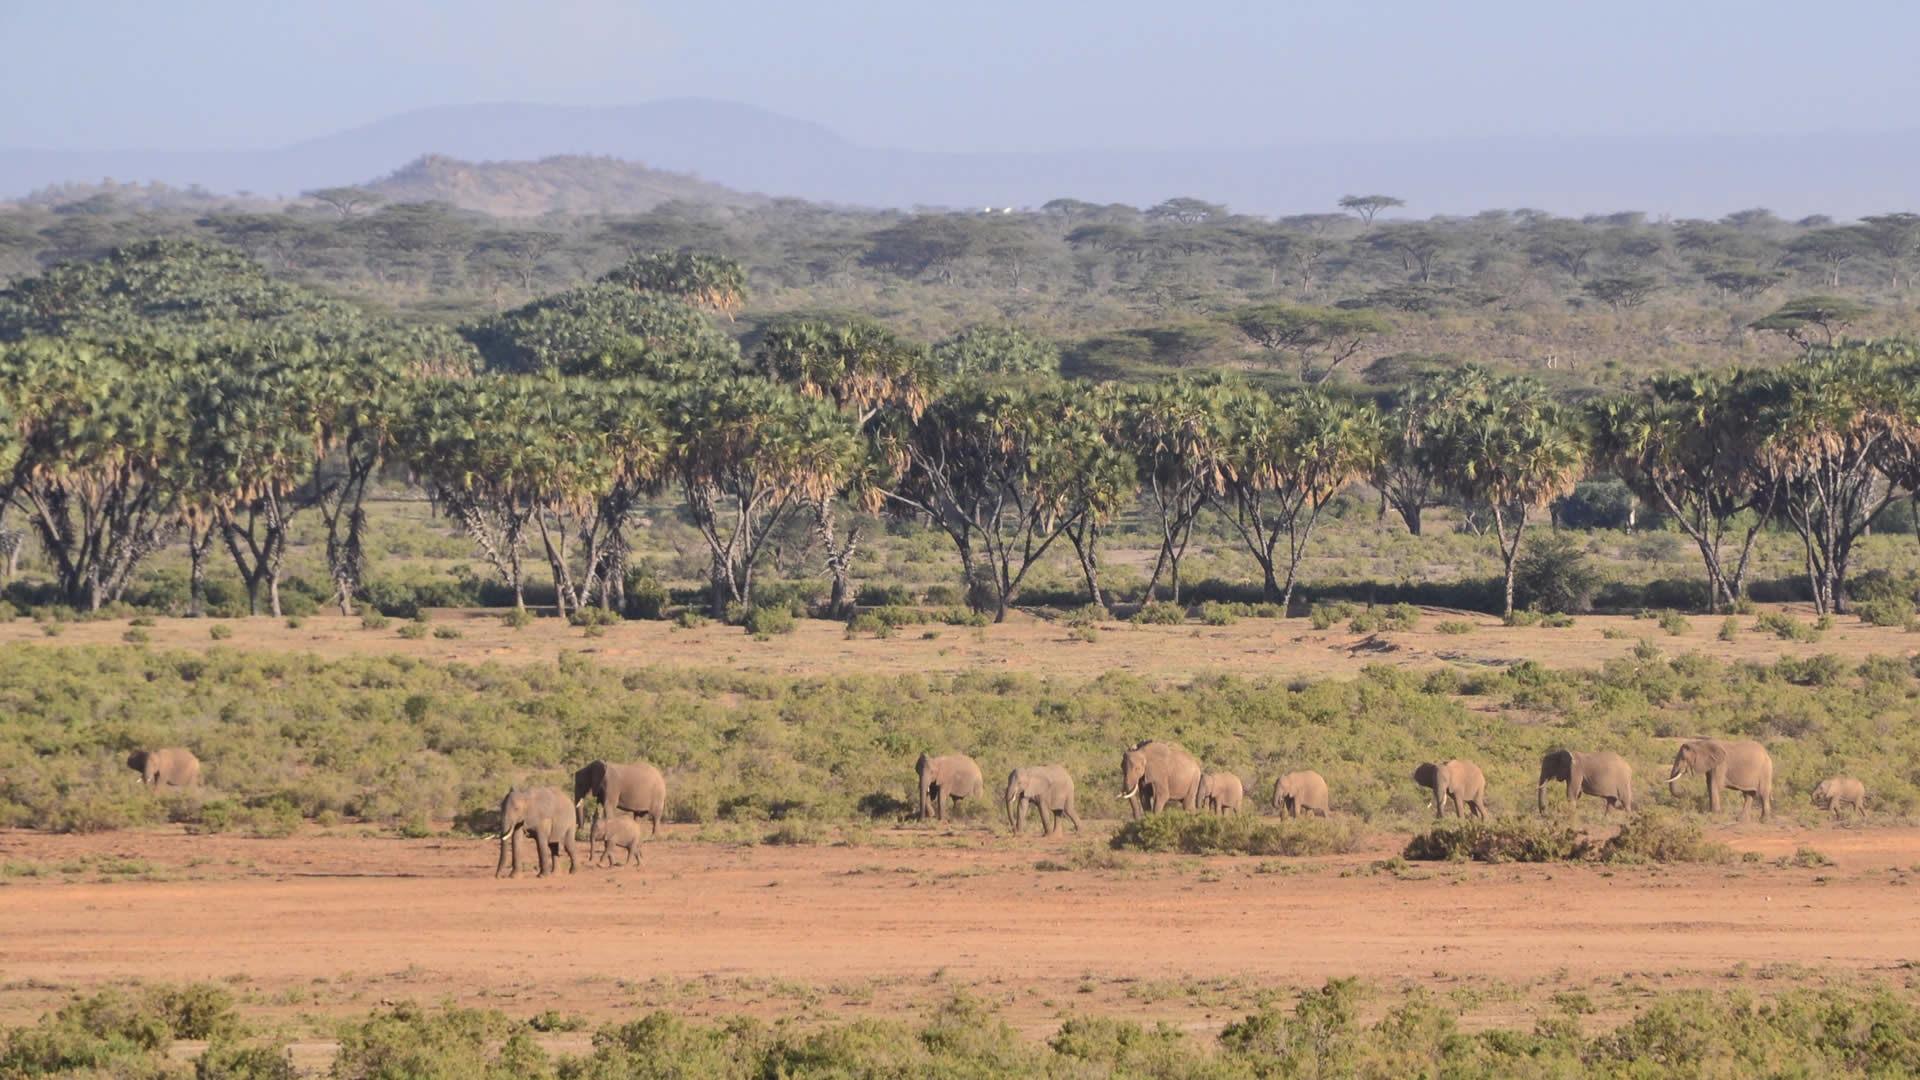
(175, 394)
(1128, 292)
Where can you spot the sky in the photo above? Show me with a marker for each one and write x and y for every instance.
(986, 75)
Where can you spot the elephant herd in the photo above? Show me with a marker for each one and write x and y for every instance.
(1154, 775)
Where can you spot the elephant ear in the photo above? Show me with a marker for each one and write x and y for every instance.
(1709, 753)
(1427, 774)
(1557, 765)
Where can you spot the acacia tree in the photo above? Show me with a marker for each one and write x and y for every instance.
(862, 368)
(1174, 431)
(1688, 443)
(747, 453)
(1828, 427)
(1404, 467)
(1365, 207)
(1319, 339)
(1283, 460)
(1088, 476)
(1508, 445)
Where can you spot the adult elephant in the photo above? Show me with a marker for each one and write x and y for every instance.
(1456, 781)
(1049, 789)
(1159, 774)
(637, 788)
(949, 776)
(1602, 774)
(544, 814)
(1744, 766)
(1221, 792)
(1301, 792)
(174, 766)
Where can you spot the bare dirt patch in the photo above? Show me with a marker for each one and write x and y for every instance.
(335, 924)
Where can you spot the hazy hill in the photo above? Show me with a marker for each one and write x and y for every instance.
(567, 184)
(749, 149)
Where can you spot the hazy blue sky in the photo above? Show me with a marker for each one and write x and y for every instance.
(990, 74)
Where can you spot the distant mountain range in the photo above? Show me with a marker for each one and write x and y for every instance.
(752, 150)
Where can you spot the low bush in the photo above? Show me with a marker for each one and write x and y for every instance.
(373, 620)
(1454, 626)
(764, 622)
(447, 633)
(690, 620)
(413, 631)
(1729, 629)
(1823, 669)
(1323, 616)
(872, 595)
(1785, 627)
(516, 619)
(1887, 611)
(1238, 834)
(1674, 623)
(1652, 836)
(1214, 613)
(1505, 840)
(1159, 613)
(960, 616)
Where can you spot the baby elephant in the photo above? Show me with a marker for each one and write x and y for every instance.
(1220, 792)
(174, 766)
(1298, 791)
(617, 831)
(1841, 791)
(1049, 789)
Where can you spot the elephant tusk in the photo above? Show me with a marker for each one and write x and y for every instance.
(1131, 794)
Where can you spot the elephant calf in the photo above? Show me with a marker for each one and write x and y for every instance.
(1220, 792)
(1049, 788)
(1841, 791)
(1301, 791)
(616, 831)
(1460, 782)
(174, 766)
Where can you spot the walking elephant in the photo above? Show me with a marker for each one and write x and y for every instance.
(1601, 774)
(950, 776)
(1049, 789)
(1839, 791)
(619, 831)
(174, 766)
(1301, 791)
(1220, 792)
(1744, 766)
(637, 788)
(1159, 773)
(544, 814)
(1456, 781)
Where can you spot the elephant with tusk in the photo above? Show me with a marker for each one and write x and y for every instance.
(544, 814)
(1744, 766)
(1159, 774)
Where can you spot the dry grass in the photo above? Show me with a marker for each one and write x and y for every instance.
(1264, 647)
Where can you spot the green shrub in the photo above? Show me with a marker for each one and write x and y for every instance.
(945, 596)
(1824, 622)
(1786, 627)
(373, 620)
(516, 618)
(1806, 858)
(1553, 576)
(1505, 840)
(1729, 629)
(690, 620)
(1523, 617)
(1323, 616)
(1454, 626)
(1221, 834)
(446, 633)
(593, 616)
(1556, 621)
(960, 616)
(1823, 669)
(646, 597)
(414, 631)
(1674, 623)
(1656, 837)
(1394, 617)
(898, 617)
(764, 622)
(1646, 651)
(1159, 613)
(136, 636)
(1887, 611)
(137, 620)
(1214, 613)
(793, 834)
(53, 629)
(871, 596)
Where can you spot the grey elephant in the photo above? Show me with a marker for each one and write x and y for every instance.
(637, 788)
(174, 766)
(1049, 789)
(1602, 774)
(1744, 766)
(1456, 781)
(1159, 774)
(949, 776)
(544, 814)
(1220, 792)
(617, 831)
(1838, 791)
(1301, 792)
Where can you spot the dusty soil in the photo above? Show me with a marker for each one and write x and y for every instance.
(328, 924)
(1255, 647)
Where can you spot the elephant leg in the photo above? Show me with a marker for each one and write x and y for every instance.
(1068, 810)
(1048, 819)
(1020, 817)
(655, 813)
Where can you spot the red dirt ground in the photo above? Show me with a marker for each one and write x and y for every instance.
(334, 924)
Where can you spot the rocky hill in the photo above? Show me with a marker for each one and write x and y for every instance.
(567, 184)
